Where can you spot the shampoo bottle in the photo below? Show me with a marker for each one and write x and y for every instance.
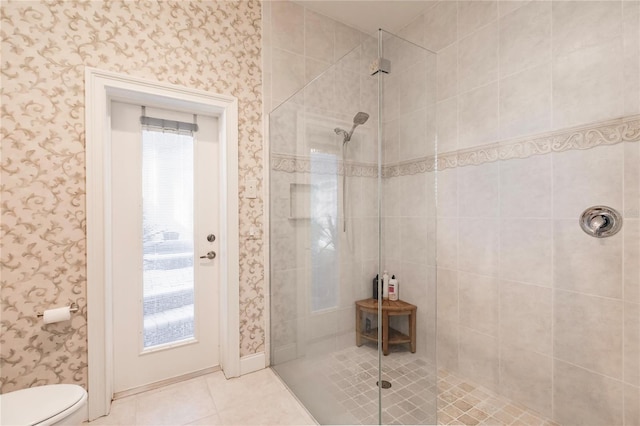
(374, 286)
(385, 285)
(393, 288)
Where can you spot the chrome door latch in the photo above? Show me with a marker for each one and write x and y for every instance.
(211, 255)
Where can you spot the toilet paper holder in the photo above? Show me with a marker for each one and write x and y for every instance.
(72, 308)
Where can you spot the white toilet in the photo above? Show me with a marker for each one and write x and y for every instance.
(44, 406)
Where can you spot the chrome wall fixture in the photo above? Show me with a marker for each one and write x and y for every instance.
(600, 221)
(359, 119)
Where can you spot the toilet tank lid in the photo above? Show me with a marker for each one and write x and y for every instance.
(34, 405)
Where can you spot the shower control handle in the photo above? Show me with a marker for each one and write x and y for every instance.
(211, 255)
(600, 221)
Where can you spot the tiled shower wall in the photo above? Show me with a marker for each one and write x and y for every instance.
(528, 304)
(300, 45)
(513, 68)
(302, 42)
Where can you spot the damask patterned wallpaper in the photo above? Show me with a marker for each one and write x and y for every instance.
(208, 45)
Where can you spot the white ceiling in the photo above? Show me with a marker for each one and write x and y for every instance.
(370, 15)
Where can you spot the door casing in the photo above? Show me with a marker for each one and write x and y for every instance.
(102, 87)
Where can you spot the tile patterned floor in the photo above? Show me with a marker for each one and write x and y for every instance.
(461, 402)
(411, 398)
(349, 377)
(258, 398)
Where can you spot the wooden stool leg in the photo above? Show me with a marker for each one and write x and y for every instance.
(358, 326)
(412, 330)
(385, 333)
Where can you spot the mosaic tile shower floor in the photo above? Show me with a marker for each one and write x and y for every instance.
(347, 379)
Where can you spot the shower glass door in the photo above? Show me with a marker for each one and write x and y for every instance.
(408, 237)
(329, 211)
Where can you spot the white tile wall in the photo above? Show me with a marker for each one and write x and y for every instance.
(478, 116)
(631, 42)
(478, 303)
(526, 313)
(631, 406)
(631, 343)
(447, 125)
(586, 56)
(525, 102)
(560, 293)
(525, 38)
(447, 72)
(631, 261)
(599, 68)
(478, 356)
(287, 26)
(479, 245)
(588, 332)
(631, 184)
(575, 267)
(534, 174)
(473, 15)
(586, 178)
(525, 376)
(526, 251)
(478, 190)
(583, 397)
(478, 58)
(319, 34)
(441, 26)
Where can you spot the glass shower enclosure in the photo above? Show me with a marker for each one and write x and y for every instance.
(342, 151)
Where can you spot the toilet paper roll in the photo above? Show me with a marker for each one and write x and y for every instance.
(57, 315)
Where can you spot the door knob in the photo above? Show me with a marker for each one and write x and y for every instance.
(210, 255)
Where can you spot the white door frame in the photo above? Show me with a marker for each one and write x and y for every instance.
(101, 87)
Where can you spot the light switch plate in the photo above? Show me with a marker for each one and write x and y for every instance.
(251, 190)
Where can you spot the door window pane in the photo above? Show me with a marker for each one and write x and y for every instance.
(167, 223)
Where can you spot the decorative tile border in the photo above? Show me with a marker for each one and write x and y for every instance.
(303, 164)
(625, 129)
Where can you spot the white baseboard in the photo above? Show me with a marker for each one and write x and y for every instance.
(165, 382)
(251, 363)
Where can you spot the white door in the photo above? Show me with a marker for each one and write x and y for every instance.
(164, 220)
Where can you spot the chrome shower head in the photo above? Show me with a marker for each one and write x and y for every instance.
(360, 118)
